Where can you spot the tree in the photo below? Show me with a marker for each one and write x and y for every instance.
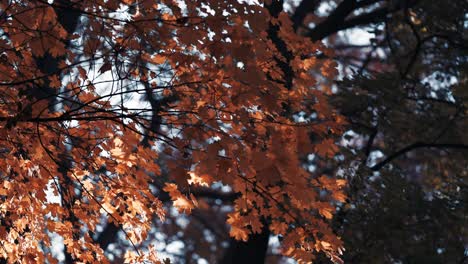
(110, 108)
(404, 96)
(129, 109)
(407, 103)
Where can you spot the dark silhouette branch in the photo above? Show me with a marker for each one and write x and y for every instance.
(333, 21)
(414, 146)
(337, 21)
(305, 7)
(370, 143)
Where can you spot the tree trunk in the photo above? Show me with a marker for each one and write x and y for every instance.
(251, 252)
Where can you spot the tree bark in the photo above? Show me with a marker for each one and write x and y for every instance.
(251, 252)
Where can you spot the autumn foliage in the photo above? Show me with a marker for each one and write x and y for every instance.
(219, 86)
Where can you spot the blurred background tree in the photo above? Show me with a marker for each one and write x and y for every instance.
(405, 95)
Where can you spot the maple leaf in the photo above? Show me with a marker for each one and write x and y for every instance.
(278, 227)
(203, 180)
(58, 49)
(327, 212)
(158, 59)
(182, 203)
(107, 66)
(239, 233)
(339, 196)
(326, 148)
(54, 81)
(130, 257)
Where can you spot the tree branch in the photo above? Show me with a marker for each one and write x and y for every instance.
(413, 146)
(333, 21)
(336, 21)
(369, 144)
(376, 16)
(304, 8)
